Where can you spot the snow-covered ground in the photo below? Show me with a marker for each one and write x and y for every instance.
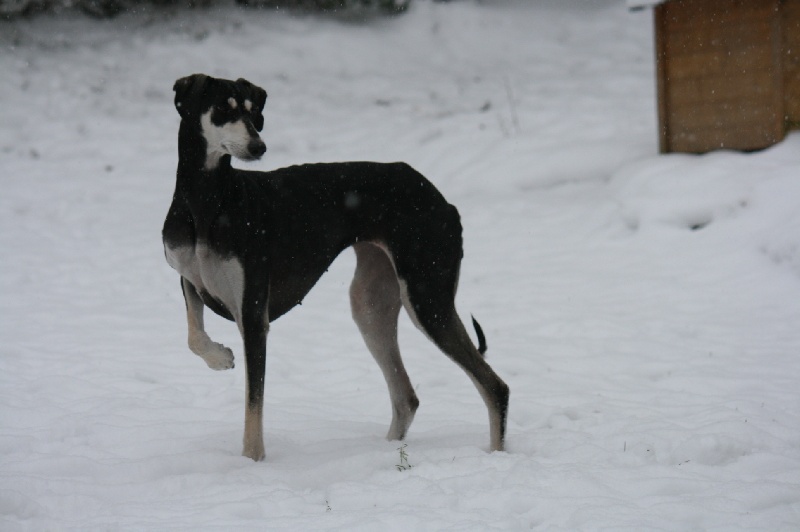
(644, 309)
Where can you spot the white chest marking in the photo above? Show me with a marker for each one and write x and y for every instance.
(222, 278)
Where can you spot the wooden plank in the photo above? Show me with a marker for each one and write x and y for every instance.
(751, 88)
(698, 14)
(777, 126)
(701, 140)
(720, 40)
(757, 57)
(723, 115)
(791, 62)
(662, 83)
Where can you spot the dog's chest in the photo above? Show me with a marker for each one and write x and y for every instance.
(220, 277)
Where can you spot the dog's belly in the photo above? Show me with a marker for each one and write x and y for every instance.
(221, 278)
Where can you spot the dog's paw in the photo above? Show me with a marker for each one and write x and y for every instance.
(254, 450)
(218, 357)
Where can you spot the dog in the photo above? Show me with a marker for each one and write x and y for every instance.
(250, 246)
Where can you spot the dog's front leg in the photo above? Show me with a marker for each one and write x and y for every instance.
(217, 356)
(254, 328)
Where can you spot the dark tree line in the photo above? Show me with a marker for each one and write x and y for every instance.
(10, 9)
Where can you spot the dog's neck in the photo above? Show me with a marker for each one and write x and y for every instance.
(194, 156)
(200, 184)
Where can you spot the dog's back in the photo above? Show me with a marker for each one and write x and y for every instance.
(317, 210)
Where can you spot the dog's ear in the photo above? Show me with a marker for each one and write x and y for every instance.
(258, 97)
(186, 87)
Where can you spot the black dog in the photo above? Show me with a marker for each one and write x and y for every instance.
(250, 245)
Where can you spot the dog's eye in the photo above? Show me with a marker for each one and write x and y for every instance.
(224, 112)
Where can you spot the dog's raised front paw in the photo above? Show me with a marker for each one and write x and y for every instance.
(218, 357)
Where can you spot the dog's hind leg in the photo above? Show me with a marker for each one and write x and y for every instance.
(217, 356)
(430, 303)
(375, 303)
(456, 344)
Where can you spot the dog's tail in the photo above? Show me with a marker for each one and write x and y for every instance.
(481, 337)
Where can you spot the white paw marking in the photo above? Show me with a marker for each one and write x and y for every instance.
(218, 357)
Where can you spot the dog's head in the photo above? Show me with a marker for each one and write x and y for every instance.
(228, 113)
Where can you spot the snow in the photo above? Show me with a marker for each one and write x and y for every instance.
(644, 309)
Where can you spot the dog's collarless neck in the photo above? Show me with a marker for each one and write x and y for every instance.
(194, 157)
(195, 173)
(202, 189)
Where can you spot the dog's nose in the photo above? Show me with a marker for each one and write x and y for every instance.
(257, 148)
